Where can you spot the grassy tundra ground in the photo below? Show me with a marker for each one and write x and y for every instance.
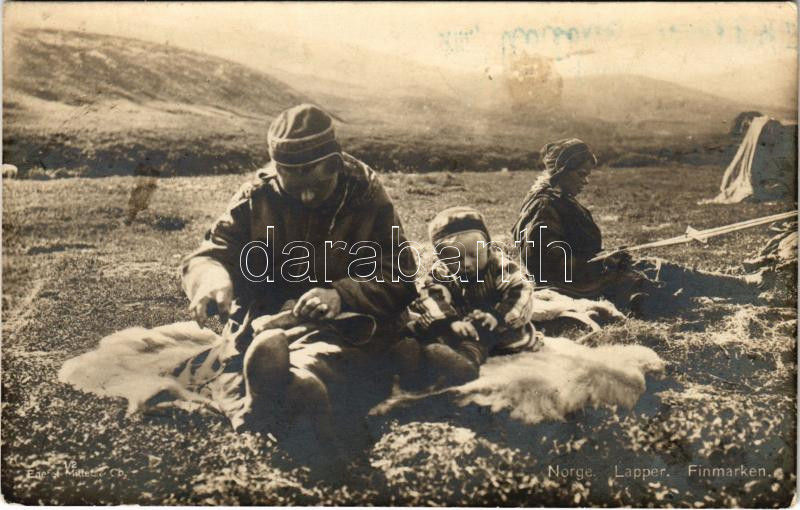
(73, 272)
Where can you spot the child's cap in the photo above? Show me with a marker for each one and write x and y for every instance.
(456, 220)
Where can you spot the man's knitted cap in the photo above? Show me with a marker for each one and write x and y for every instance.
(565, 155)
(302, 135)
(456, 220)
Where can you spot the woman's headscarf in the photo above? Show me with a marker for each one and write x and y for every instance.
(565, 155)
(557, 158)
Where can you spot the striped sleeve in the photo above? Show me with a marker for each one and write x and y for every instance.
(516, 302)
(434, 304)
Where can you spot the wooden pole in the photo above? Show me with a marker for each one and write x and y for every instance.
(701, 235)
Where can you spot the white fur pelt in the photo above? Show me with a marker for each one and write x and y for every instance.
(549, 304)
(136, 363)
(562, 378)
(559, 379)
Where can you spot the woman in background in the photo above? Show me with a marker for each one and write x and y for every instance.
(552, 218)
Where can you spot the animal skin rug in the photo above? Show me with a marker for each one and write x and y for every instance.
(559, 379)
(138, 364)
(549, 305)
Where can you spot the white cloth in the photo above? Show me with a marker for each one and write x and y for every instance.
(762, 167)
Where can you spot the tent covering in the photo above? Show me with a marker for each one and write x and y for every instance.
(764, 167)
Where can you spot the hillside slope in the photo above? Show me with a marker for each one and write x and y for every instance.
(101, 105)
(631, 98)
(78, 68)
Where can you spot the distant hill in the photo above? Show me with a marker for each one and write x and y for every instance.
(98, 105)
(769, 85)
(631, 98)
(103, 105)
(78, 69)
(627, 101)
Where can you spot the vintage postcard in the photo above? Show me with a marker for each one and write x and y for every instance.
(424, 254)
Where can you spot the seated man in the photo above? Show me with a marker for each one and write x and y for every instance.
(290, 234)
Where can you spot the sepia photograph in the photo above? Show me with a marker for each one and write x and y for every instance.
(486, 254)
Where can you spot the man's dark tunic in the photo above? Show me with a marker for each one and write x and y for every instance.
(358, 211)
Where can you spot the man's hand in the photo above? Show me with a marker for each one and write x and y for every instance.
(318, 303)
(485, 319)
(464, 330)
(217, 290)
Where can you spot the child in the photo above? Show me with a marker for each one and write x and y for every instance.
(474, 302)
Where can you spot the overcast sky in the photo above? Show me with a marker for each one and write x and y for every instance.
(671, 41)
